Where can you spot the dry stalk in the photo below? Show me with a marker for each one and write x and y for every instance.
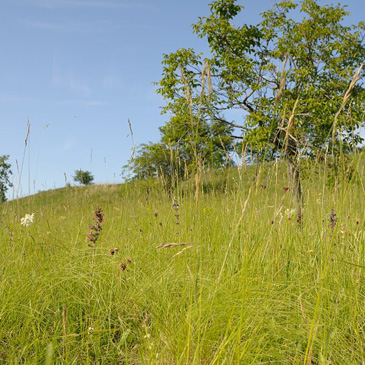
(134, 142)
(180, 252)
(302, 309)
(209, 76)
(130, 127)
(197, 185)
(64, 312)
(203, 79)
(172, 244)
(282, 80)
(234, 234)
(290, 122)
(202, 89)
(346, 97)
(188, 94)
(133, 150)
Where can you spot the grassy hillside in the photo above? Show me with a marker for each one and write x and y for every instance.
(219, 274)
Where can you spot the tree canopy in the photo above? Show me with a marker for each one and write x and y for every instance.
(5, 173)
(289, 77)
(83, 177)
(296, 76)
(186, 144)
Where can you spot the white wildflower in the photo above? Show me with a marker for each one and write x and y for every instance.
(289, 213)
(90, 330)
(28, 220)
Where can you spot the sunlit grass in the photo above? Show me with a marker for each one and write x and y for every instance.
(246, 284)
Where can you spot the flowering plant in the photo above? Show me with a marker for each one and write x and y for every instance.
(95, 229)
(289, 213)
(27, 220)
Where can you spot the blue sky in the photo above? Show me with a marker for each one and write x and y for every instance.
(78, 69)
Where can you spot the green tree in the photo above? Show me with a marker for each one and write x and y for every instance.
(191, 139)
(184, 148)
(83, 177)
(295, 76)
(152, 160)
(5, 173)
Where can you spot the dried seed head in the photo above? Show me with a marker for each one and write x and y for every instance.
(112, 251)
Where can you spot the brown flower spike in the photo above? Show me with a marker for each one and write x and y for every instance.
(96, 228)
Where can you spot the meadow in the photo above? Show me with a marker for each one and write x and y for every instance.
(219, 272)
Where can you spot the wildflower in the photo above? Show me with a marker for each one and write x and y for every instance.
(333, 220)
(112, 251)
(155, 214)
(263, 187)
(123, 265)
(28, 220)
(95, 229)
(176, 207)
(289, 213)
(286, 188)
(90, 330)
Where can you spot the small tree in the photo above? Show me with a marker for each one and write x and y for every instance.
(4, 177)
(152, 160)
(186, 145)
(83, 177)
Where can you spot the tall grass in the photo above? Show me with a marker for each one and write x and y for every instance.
(246, 284)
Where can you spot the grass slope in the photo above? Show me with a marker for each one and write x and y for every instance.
(249, 286)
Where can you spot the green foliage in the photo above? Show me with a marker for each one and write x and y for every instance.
(288, 75)
(83, 177)
(5, 172)
(186, 145)
(151, 160)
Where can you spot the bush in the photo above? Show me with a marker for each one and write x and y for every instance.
(83, 177)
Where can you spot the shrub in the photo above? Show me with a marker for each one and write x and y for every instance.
(83, 177)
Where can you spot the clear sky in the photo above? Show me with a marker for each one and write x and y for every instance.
(78, 69)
